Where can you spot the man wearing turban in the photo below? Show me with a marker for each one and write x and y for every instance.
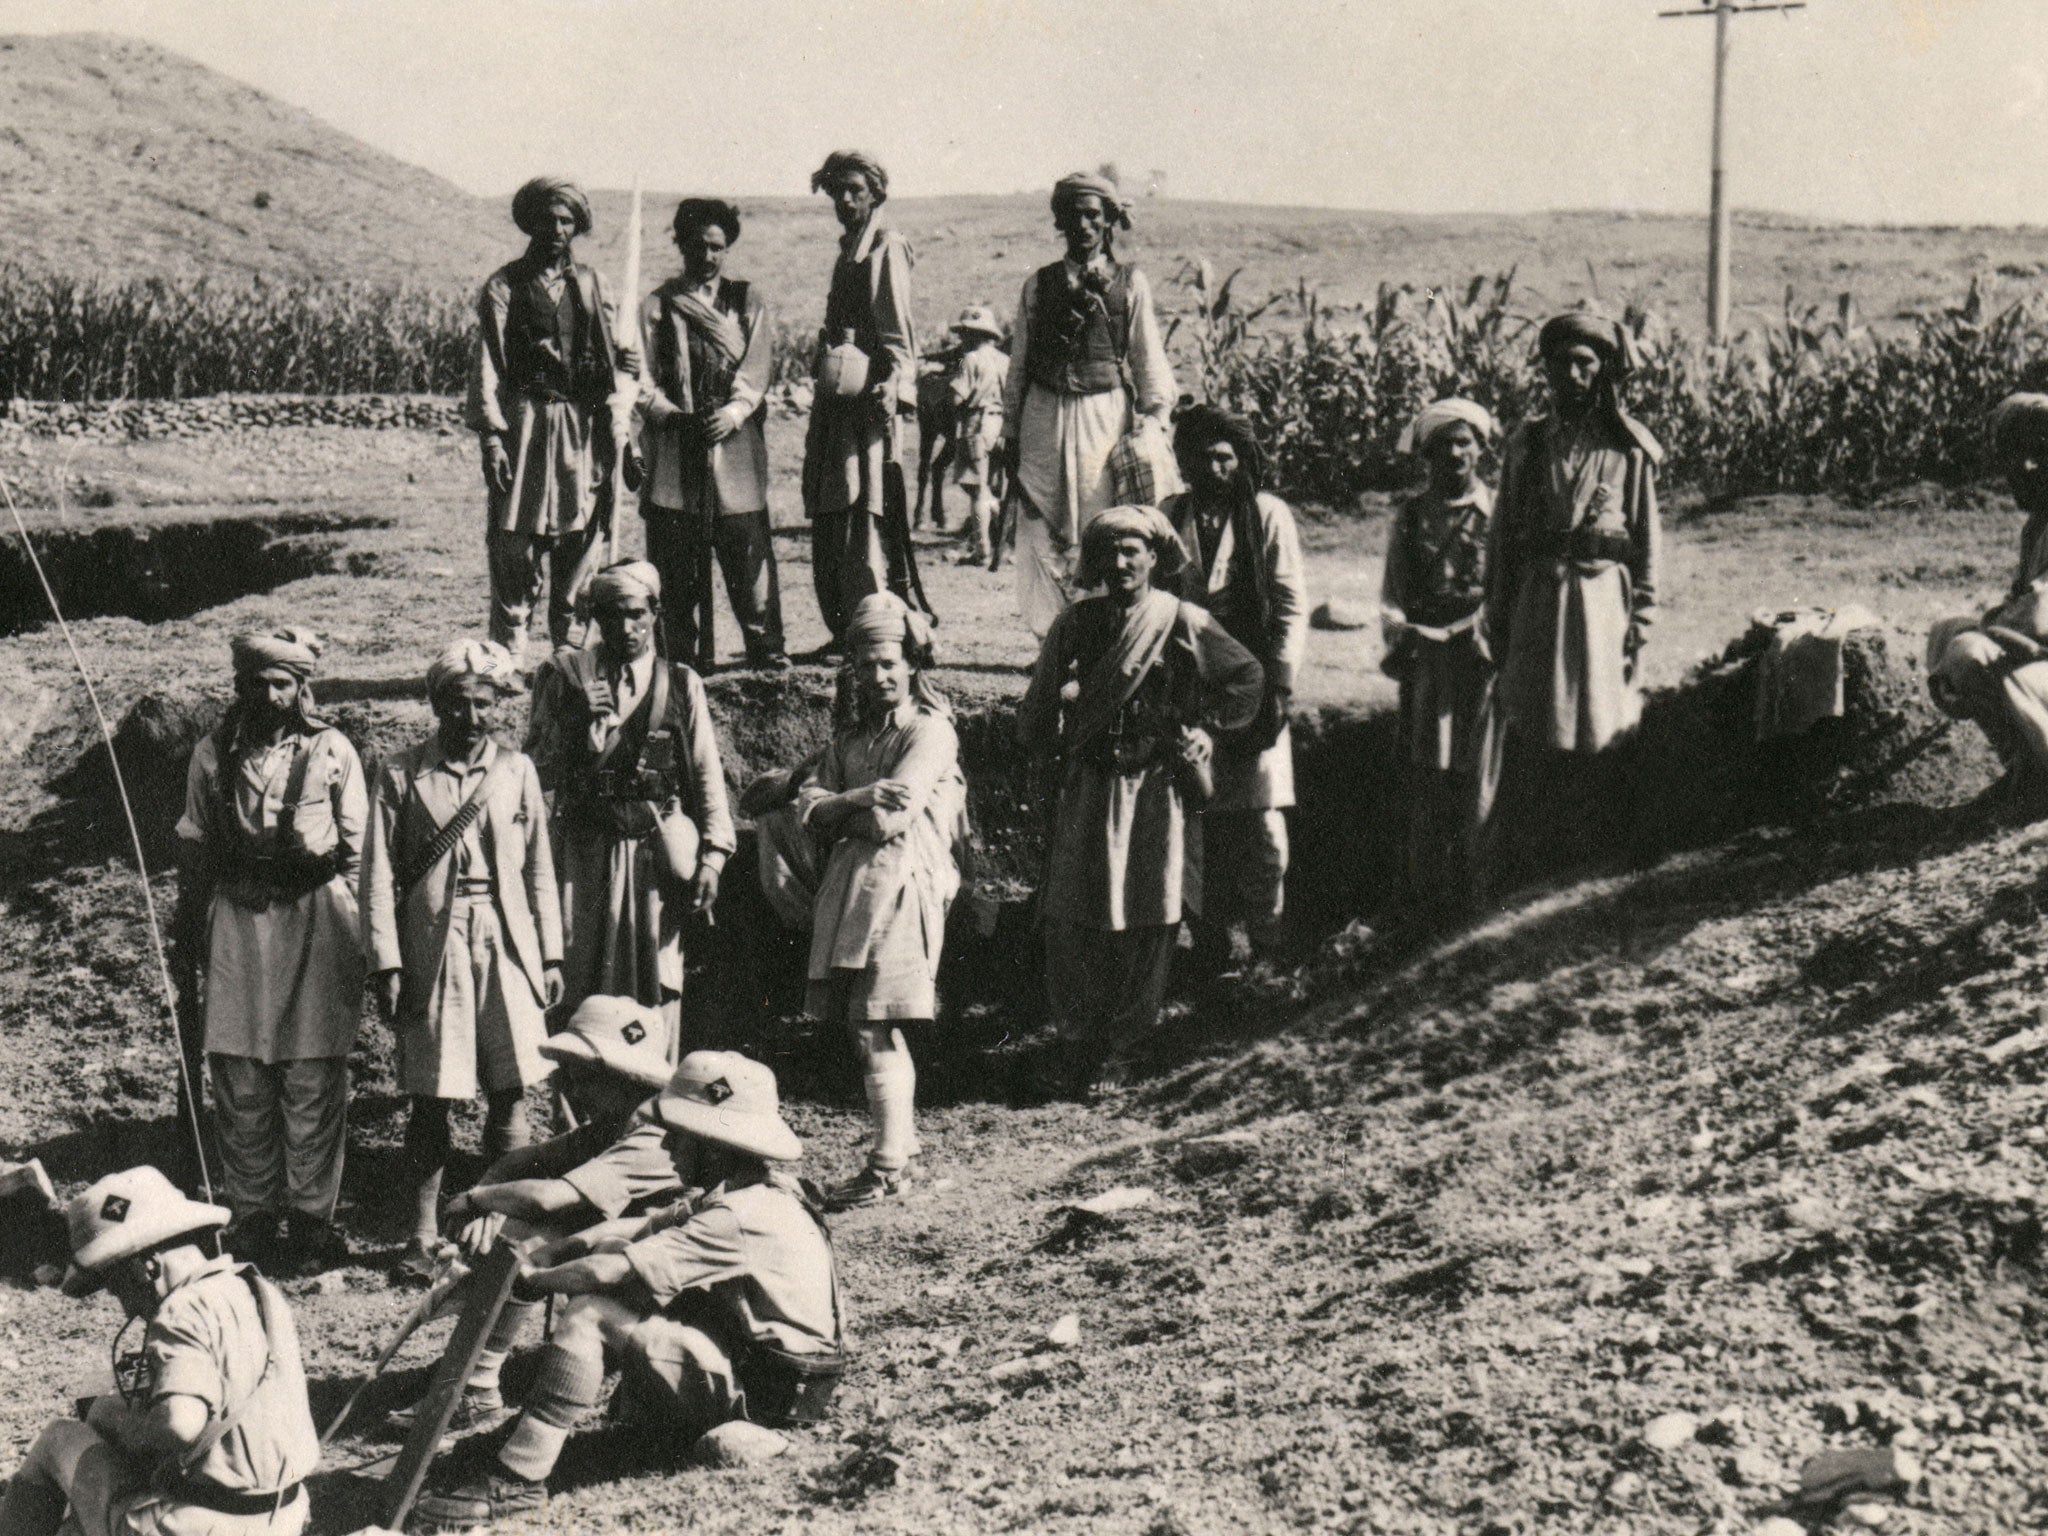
(1244, 566)
(1156, 681)
(623, 737)
(550, 395)
(462, 921)
(703, 405)
(1088, 368)
(1430, 597)
(888, 801)
(1572, 565)
(272, 832)
(853, 478)
(1993, 668)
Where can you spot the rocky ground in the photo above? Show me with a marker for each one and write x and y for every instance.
(1609, 1214)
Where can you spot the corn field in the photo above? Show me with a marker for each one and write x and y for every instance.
(85, 340)
(1816, 401)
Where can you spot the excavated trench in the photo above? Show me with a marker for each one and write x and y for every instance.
(1697, 773)
(167, 570)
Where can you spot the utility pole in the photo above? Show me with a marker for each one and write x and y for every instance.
(1717, 216)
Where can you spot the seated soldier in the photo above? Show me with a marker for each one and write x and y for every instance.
(210, 1430)
(615, 1164)
(1987, 669)
(703, 1307)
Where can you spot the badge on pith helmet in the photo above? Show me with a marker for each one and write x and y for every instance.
(125, 1214)
(724, 1097)
(618, 1034)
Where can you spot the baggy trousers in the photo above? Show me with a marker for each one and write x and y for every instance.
(281, 1127)
(745, 548)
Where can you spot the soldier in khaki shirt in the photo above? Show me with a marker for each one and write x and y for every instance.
(700, 1306)
(614, 1165)
(210, 1433)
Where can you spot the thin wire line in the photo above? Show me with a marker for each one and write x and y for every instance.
(156, 933)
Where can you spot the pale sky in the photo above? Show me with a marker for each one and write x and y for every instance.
(1885, 111)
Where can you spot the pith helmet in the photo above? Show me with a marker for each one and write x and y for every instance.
(125, 1214)
(721, 1096)
(618, 1034)
(979, 318)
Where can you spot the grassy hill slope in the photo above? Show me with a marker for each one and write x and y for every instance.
(120, 157)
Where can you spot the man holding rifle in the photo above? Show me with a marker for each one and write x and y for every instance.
(703, 391)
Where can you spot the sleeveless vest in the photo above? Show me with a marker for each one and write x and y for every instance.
(554, 350)
(1078, 337)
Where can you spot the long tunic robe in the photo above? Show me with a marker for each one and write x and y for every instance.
(880, 913)
(475, 989)
(622, 915)
(1246, 781)
(683, 379)
(1571, 575)
(547, 424)
(1064, 442)
(284, 978)
(846, 445)
(1430, 598)
(1126, 853)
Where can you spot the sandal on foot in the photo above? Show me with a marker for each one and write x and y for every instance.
(871, 1186)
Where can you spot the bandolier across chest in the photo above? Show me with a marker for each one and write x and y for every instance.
(1080, 332)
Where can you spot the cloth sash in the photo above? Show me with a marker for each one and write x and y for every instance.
(1114, 680)
(720, 330)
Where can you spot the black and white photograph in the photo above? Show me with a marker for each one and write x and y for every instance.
(1095, 767)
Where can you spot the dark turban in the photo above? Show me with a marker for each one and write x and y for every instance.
(2018, 421)
(1099, 540)
(530, 204)
(1582, 327)
(288, 650)
(852, 162)
(1081, 184)
(1201, 426)
(695, 213)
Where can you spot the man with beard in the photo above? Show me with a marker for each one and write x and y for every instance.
(1088, 366)
(275, 810)
(463, 922)
(708, 345)
(851, 466)
(1244, 565)
(1156, 680)
(550, 396)
(624, 738)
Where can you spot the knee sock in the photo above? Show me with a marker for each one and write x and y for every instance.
(486, 1376)
(892, 1100)
(505, 1124)
(564, 1387)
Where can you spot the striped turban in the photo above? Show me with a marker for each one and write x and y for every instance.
(288, 650)
(473, 658)
(628, 578)
(1099, 540)
(532, 202)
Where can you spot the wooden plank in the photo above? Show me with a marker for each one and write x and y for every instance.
(491, 1283)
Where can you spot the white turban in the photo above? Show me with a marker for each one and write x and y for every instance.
(1433, 418)
(628, 578)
